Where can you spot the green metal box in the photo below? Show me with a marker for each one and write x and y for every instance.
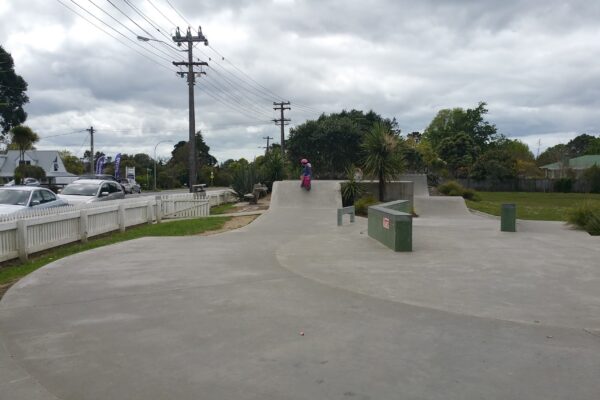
(508, 218)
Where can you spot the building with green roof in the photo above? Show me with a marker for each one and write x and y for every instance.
(578, 165)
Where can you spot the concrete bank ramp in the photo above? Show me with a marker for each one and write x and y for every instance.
(419, 183)
(441, 207)
(322, 195)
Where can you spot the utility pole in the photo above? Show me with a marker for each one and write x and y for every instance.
(91, 131)
(267, 139)
(281, 106)
(190, 40)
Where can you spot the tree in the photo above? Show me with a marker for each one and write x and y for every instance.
(71, 162)
(450, 122)
(29, 171)
(178, 165)
(333, 142)
(553, 154)
(496, 164)
(579, 145)
(12, 95)
(459, 152)
(383, 157)
(23, 138)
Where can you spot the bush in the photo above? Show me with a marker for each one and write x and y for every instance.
(451, 188)
(591, 177)
(563, 185)
(361, 206)
(470, 194)
(244, 178)
(29, 171)
(351, 189)
(586, 216)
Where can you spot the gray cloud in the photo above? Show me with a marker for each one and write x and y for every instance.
(531, 61)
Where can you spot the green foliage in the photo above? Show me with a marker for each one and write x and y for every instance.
(563, 185)
(451, 188)
(12, 95)
(458, 152)
(383, 156)
(272, 168)
(71, 162)
(450, 122)
(178, 166)
(244, 178)
(470, 194)
(333, 142)
(361, 206)
(351, 189)
(29, 171)
(497, 164)
(23, 138)
(553, 154)
(591, 176)
(586, 216)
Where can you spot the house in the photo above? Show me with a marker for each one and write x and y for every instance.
(49, 160)
(578, 165)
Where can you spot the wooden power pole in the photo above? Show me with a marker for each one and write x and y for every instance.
(91, 131)
(281, 106)
(190, 40)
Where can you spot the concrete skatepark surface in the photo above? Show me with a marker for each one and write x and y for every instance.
(472, 313)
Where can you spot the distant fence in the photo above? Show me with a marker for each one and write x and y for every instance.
(31, 231)
(520, 185)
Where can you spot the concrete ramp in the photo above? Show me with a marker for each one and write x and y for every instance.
(419, 183)
(322, 195)
(441, 207)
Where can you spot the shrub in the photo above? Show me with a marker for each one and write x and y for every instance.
(470, 194)
(563, 185)
(591, 176)
(351, 189)
(361, 206)
(586, 216)
(451, 188)
(29, 171)
(244, 179)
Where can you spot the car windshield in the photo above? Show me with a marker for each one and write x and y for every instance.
(14, 197)
(81, 189)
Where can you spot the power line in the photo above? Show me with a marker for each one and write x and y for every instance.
(111, 35)
(161, 13)
(178, 13)
(63, 134)
(153, 24)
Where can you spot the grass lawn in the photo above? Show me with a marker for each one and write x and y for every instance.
(536, 206)
(222, 209)
(14, 270)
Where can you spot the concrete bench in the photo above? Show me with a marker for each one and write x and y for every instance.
(345, 210)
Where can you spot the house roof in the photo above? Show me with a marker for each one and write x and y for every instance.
(41, 158)
(582, 162)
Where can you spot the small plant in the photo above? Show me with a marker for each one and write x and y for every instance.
(361, 206)
(470, 194)
(586, 216)
(244, 179)
(451, 188)
(563, 185)
(351, 189)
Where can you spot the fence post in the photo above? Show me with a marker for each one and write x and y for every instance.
(150, 212)
(122, 217)
(22, 239)
(158, 210)
(83, 226)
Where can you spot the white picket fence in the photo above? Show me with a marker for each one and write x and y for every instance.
(36, 230)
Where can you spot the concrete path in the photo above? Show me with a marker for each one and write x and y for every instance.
(221, 317)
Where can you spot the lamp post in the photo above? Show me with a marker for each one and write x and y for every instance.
(162, 141)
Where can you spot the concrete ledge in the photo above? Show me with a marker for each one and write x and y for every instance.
(391, 224)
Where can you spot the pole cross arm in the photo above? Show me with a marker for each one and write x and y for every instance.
(195, 63)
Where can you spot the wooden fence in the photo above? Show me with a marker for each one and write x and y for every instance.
(31, 231)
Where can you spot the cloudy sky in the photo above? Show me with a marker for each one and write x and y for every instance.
(534, 62)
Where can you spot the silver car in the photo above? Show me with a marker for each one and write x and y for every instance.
(18, 198)
(92, 190)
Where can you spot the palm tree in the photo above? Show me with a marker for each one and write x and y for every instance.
(23, 139)
(383, 157)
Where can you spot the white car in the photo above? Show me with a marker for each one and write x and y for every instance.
(91, 190)
(18, 198)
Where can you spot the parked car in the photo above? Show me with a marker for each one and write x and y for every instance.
(104, 177)
(91, 190)
(18, 198)
(26, 182)
(131, 186)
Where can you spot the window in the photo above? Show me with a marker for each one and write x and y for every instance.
(37, 197)
(48, 196)
(105, 188)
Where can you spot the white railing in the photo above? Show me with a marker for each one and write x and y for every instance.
(31, 231)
